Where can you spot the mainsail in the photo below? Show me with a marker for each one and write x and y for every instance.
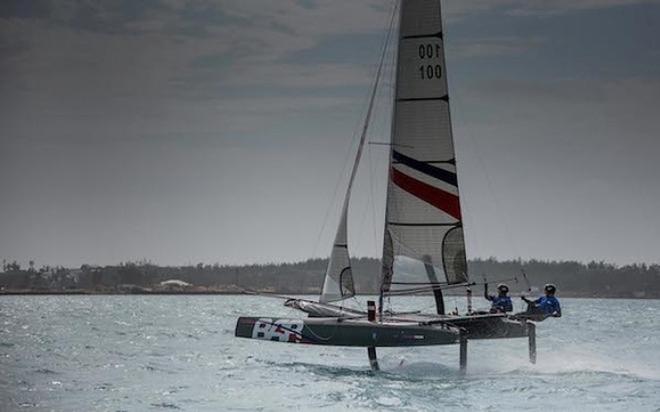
(423, 245)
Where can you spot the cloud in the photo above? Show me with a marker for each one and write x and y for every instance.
(23, 9)
(494, 46)
(168, 47)
(541, 7)
(156, 103)
(304, 19)
(457, 9)
(590, 126)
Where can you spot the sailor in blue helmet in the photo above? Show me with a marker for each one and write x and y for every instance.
(545, 306)
(501, 302)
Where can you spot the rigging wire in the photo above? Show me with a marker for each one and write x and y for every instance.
(389, 87)
(331, 204)
(375, 130)
(377, 83)
(393, 78)
(365, 126)
(359, 125)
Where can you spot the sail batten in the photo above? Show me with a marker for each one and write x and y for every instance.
(423, 239)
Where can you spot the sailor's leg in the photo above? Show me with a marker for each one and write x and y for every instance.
(463, 342)
(373, 360)
(531, 334)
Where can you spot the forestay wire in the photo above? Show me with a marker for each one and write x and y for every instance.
(365, 123)
(374, 90)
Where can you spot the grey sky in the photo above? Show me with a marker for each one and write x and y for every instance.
(217, 131)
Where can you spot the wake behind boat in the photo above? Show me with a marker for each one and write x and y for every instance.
(423, 242)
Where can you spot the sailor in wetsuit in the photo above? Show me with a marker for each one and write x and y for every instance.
(545, 306)
(500, 303)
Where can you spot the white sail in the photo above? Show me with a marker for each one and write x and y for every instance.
(423, 218)
(338, 283)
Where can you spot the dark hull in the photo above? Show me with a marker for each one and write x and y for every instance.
(360, 332)
(493, 328)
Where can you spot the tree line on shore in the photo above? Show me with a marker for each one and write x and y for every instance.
(593, 279)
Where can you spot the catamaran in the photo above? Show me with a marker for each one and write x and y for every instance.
(423, 223)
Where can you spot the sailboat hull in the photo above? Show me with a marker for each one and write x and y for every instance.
(345, 332)
(493, 327)
(363, 333)
(390, 333)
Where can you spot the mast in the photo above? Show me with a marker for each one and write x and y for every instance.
(423, 223)
(338, 283)
(387, 261)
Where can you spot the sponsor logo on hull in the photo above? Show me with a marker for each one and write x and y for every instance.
(279, 330)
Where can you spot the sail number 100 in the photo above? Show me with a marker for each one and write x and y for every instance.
(429, 71)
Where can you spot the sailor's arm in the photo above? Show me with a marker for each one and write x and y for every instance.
(557, 312)
(486, 295)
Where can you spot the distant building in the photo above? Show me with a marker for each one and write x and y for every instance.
(175, 285)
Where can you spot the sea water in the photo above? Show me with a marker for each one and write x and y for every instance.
(143, 353)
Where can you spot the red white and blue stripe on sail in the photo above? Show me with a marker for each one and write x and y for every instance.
(430, 193)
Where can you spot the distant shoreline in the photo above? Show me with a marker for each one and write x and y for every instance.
(573, 279)
(265, 294)
(92, 292)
